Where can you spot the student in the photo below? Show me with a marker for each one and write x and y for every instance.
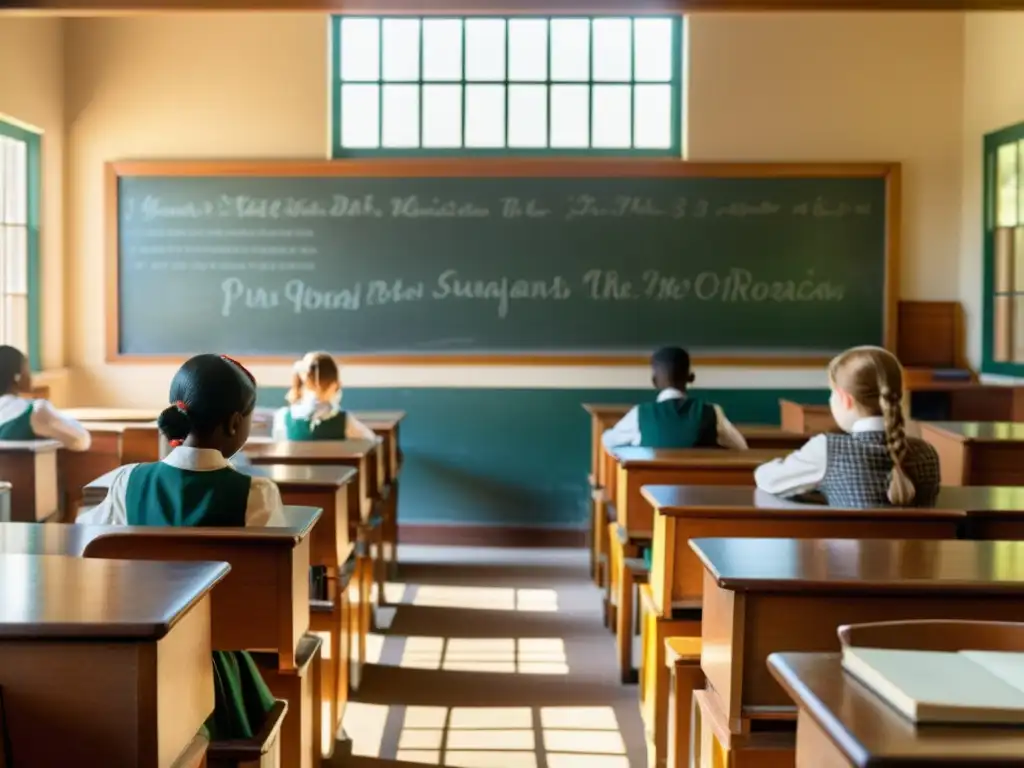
(674, 420)
(22, 419)
(315, 398)
(209, 420)
(873, 463)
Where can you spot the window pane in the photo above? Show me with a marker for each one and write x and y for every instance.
(360, 49)
(360, 116)
(16, 321)
(1001, 329)
(1018, 259)
(527, 49)
(485, 115)
(16, 186)
(570, 49)
(611, 116)
(401, 116)
(652, 123)
(442, 116)
(1008, 184)
(652, 49)
(1018, 329)
(613, 54)
(485, 49)
(527, 116)
(401, 49)
(442, 49)
(16, 261)
(570, 116)
(1004, 259)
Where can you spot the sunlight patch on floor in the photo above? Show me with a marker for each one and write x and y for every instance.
(507, 655)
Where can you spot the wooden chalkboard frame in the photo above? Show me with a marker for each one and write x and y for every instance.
(434, 167)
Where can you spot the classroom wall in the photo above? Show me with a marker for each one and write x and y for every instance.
(32, 94)
(993, 99)
(825, 87)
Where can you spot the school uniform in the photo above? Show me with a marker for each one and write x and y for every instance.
(198, 487)
(22, 419)
(675, 420)
(312, 419)
(852, 469)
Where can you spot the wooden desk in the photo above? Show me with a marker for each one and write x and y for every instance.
(31, 469)
(633, 529)
(995, 513)
(602, 417)
(690, 512)
(105, 659)
(763, 596)
(806, 419)
(978, 452)
(136, 442)
(842, 724)
(262, 605)
(385, 424)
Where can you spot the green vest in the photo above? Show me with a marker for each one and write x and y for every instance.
(159, 494)
(20, 427)
(332, 428)
(678, 423)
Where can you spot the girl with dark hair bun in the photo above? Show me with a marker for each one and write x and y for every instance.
(208, 420)
(315, 411)
(24, 419)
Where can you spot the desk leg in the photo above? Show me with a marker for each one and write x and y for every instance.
(612, 575)
(359, 595)
(624, 620)
(598, 536)
(391, 536)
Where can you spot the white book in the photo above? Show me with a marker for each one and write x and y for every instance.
(937, 687)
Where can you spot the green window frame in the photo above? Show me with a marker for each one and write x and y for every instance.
(20, 175)
(1003, 335)
(630, 96)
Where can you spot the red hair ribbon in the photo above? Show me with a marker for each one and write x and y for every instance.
(180, 405)
(241, 367)
(175, 443)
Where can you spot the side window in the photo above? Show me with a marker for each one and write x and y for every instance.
(19, 238)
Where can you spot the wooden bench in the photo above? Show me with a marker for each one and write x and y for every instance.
(977, 452)
(633, 529)
(683, 513)
(763, 596)
(261, 606)
(104, 659)
(31, 469)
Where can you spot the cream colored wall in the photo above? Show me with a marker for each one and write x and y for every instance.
(993, 99)
(32, 94)
(764, 87)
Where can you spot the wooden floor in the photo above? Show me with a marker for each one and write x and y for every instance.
(494, 658)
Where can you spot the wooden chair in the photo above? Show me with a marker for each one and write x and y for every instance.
(931, 635)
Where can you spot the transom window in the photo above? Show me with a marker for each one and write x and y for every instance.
(17, 234)
(491, 85)
(1004, 251)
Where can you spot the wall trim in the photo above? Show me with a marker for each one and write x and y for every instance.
(462, 535)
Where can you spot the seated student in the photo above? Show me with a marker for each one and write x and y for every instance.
(315, 397)
(674, 420)
(22, 419)
(213, 398)
(874, 463)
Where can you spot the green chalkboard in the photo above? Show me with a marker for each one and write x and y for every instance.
(430, 263)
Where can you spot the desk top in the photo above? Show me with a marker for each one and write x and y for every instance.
(118, 426)
(977, 431)
(302, 476)
(721, 500)
(112, 414)
(29, 446)
(71, 597)
(870, 733)
(73, 539)
(605, 410)
(380, 419)
(266, 450)
(863, 566)
(635, 457)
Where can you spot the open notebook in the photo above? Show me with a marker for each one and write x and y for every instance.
(936, 687)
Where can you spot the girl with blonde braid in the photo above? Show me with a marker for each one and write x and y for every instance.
(315, 411)
(872, 463)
